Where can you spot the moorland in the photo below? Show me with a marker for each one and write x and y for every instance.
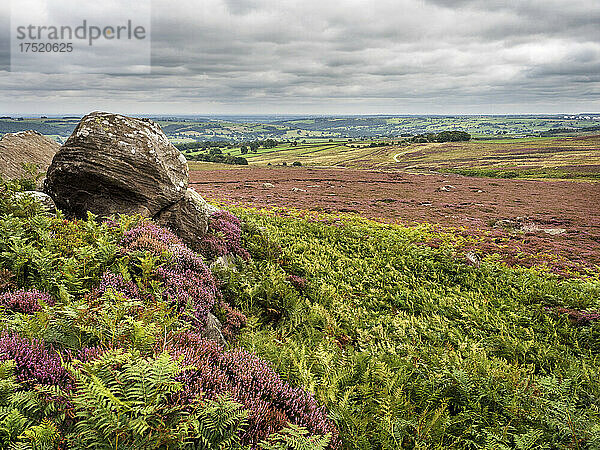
(397, 295)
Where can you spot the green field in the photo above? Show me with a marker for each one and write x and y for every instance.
(503, 146)
(550, 157)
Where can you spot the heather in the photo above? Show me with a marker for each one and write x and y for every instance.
(91, 311)
(342, 333)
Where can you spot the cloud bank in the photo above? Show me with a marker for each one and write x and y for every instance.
(347, 57)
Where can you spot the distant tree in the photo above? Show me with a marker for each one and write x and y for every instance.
(243, 149)
(296, 164)
(269, 143)
(452, 136)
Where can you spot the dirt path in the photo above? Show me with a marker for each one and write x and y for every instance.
(405, 152)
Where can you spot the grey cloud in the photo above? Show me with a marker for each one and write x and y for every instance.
(402, 56)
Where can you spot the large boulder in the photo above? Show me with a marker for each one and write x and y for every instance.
(25, 147)
(115, 164)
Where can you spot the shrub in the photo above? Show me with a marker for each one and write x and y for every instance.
(271, 402)
(224, 236)
(186, 280)
(26, 302)
(35, 364)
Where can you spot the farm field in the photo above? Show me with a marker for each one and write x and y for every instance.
(496, 209)
(565, 157)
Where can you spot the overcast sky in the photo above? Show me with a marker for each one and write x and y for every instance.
(339, 57)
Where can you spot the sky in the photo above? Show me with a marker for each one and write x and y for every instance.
(323, 57)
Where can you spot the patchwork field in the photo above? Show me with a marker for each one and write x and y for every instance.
(318, 128)
(565, 157)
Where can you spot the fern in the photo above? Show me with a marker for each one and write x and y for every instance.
(27, 418)
(124, 401)
(294, 437)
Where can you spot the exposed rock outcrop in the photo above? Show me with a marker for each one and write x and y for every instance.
(188, 218)
(212, 330)
(116, 164)
(113, 164)
(29, 147)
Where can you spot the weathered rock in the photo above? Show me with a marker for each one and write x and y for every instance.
(473, 259)
(25, 147)
(44, 199)
(224, 262)
(268, 185)
(534, 228)
(212, 330)
(188, 218)
(116, 164)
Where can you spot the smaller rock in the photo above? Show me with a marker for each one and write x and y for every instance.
(30, 147)
(533, 228)
(295, 189)
(473, 259)
(225, 262)
(212, 330)
(44, 199)
(445, 188)
(268, 185)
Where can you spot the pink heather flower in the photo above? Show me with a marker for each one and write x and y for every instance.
(234, 320)
(117, 283)
(187, 280)
(190, 291)
(25, 301)
(298, 282)
(272, 402)
(35, 364)
(578, 316)
(224, 236)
